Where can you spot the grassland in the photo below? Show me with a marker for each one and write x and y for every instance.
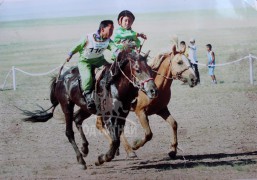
(217, 124)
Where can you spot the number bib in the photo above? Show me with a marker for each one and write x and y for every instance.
(95, 48)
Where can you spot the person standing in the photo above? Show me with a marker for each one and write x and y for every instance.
(211, 62)
(183, 48)
(193, 58)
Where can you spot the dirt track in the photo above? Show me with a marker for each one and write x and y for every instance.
(217, 133)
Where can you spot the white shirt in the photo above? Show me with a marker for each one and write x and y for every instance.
(95, 47)
(192, 54)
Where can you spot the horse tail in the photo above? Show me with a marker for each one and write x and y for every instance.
(42, 115)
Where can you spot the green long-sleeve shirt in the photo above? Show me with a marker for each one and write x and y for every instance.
(121, 35)
(83, 50)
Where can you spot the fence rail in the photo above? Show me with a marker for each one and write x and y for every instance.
(13, 70)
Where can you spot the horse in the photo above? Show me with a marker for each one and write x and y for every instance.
(167, 67)
(132, 73)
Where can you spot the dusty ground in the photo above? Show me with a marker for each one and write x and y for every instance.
(217, 123)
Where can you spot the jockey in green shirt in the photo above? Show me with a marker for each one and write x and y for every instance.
(124, 34)
(91, 56)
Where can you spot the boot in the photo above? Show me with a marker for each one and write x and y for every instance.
(89, 100)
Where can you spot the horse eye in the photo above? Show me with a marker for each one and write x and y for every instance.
(137, 69)
(180, 62)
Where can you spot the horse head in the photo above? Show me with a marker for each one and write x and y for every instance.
(138, 72)
(181, 69)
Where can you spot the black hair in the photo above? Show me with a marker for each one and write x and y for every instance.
(209, 46)
(104, 24)
(182, 43)
(126, 13)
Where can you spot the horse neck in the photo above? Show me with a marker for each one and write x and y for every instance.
(162, 80)
(126, 90)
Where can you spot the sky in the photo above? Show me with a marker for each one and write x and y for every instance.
(37, 9)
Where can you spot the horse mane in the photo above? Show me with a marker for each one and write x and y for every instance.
(156, 62)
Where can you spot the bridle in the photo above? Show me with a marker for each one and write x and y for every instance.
(173, 77)
(137, 83)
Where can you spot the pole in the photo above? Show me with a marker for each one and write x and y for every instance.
(251, 68)
(13, 78)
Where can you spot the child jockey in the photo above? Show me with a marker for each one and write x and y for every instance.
(91, 56)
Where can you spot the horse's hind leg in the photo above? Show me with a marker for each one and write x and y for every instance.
(68, 111)
(165, 114)
(79, 117)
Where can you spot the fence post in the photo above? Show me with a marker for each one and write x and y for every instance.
(13, 78)
(251, 68)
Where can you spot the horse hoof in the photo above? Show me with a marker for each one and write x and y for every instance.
(84, 151)
(132, 155)
(83, 166)
(135, 147)
(100, 160)
(172, 154)
(97, 163)
(136, 144)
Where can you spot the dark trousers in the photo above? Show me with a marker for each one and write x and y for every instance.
(195, 67)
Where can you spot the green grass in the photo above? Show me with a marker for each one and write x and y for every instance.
(40, 45)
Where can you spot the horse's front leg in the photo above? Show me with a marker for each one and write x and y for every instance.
(115, 127)
(126, 145)
(148, 133)
(165, 114)
(101, 128)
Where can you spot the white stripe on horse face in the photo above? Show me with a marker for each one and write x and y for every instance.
(185, 60)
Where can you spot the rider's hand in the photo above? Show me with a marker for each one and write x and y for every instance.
(129, 45)
(142, 35)
(68, 58)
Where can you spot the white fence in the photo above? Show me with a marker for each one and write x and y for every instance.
(13, 70)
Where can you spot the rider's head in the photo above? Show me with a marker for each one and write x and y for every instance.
(106, 29)
(126, 19)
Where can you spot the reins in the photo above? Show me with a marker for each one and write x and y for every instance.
(134, 83)
(173, 77)
(58, 76)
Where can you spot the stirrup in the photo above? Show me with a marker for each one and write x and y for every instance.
(89, 100)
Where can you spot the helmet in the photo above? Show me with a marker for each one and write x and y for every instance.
(125, 13)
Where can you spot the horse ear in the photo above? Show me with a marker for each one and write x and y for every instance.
(174, 50)
(147, 54)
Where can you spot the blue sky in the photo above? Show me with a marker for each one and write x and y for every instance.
(34, 9)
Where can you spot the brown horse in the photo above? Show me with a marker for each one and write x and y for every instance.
(132, 74)
(167, 67)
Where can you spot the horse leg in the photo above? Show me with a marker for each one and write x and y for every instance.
(165, 114)
(101, 128)
(115, 127)
(126, 145)
(148, 133)
(79, 117)
(68, 111)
